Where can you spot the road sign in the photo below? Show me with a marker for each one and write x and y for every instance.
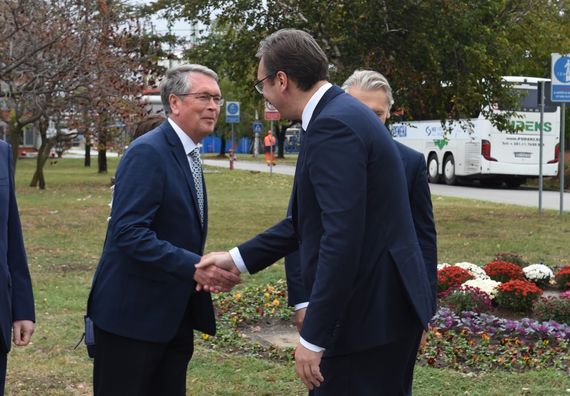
(560, 78)
(271, 113)
(257, 127)
(232, 112)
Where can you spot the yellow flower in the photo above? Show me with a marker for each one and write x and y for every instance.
(205, 337)
(266, 295)
(237, 296)
(276, 302)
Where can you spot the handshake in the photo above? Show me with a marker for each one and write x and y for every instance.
(216, 272)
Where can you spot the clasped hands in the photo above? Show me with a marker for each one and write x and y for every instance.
(216, 272)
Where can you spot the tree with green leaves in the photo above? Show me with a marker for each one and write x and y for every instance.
(443, 58)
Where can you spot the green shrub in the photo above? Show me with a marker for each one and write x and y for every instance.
(552, 308)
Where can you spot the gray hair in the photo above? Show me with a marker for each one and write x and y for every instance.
(176, 81)
(369, 80)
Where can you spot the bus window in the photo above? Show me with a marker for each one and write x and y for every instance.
(528, 101)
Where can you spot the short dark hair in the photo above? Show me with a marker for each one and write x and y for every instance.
(148, 124)
(296, 53)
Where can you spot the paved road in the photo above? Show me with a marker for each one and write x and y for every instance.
(523, 197)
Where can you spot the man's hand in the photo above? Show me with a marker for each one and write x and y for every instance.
(22, 331)
(299, 317)
(216, 272)
(307, 366)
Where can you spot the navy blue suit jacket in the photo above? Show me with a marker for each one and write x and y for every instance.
(352, 223)
(16, 296)
(422, 214)
(144, 280)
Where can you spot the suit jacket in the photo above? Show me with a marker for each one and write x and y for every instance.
(422, 214)
(144, 281)
(16, 296)
(352, 223)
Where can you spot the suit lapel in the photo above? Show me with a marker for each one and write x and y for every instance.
(182, 160)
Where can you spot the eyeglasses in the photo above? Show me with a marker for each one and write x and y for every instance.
(205, 97)
(259, 83)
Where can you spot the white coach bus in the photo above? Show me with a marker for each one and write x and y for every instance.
(478, 150)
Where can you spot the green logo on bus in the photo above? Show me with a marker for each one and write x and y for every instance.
(531, 126)
(440, 143)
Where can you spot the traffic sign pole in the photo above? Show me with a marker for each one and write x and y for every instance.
(562, 155)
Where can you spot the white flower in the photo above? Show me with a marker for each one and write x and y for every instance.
(442, 266)
(538, 272)
(474, 269)
(488, 286)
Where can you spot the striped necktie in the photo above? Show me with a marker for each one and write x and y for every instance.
(196, 166)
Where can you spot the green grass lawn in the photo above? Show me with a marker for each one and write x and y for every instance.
(64, 228)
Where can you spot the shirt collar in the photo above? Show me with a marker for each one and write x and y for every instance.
(187, 142)
(312, 104)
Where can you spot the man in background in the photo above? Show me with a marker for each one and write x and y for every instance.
(17, 314)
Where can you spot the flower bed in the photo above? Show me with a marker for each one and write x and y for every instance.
(482, 342)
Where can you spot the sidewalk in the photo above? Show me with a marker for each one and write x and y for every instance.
(522, 197)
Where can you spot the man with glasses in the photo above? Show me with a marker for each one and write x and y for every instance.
(143, 301)
(370, 295)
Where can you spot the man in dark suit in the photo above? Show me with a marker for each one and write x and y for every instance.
(373, 89)
(16, 297)
(142, 301)
(370, 295)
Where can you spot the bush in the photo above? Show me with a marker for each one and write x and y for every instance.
(502, 271)
(511, 258)
(466, 298)
(451, 276)
(563, 278)
(552, 308)
(518, 295)
(539, 274)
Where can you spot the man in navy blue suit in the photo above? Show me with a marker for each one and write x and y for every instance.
(143, 301)
(16, 297)
(373, 89)
(370, 294)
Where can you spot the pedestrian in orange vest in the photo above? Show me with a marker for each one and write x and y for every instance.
(269, 148)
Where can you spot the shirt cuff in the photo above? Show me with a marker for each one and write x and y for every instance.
(301, 306)
(238, 260)
(310, 346)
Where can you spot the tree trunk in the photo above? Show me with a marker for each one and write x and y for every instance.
(102, 161)
(222, 145)
(43, 155)
(281, 141)
(39, 177)
(87, 160)
(14, 133)
(102, 145)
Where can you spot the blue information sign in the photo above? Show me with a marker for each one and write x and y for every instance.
(257, 127)
(232, 112)
(560, 78)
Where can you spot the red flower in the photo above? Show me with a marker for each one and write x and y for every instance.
(502, 271)
(562, 278)
(518, 295)
(451, 276)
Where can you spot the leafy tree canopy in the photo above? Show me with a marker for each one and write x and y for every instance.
(443, 58)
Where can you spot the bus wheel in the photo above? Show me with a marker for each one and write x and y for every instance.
(433, 165)
(449, 170)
